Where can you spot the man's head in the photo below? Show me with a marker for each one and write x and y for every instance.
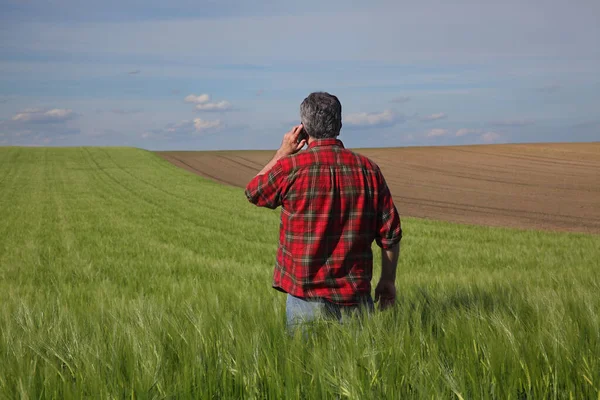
(321, 115)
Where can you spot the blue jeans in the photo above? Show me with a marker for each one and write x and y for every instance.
(299, 311)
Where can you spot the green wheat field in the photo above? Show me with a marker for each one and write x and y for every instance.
(122, 276)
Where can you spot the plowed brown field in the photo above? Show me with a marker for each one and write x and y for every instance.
(539, 186)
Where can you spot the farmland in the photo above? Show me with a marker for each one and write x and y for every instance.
(538, 186)
(122, 275)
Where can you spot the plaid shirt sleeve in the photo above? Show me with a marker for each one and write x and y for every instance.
(266, 190)
(389, 228)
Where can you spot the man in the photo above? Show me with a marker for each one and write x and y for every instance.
(334, 203)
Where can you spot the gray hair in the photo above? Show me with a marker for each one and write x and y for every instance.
(321, 115)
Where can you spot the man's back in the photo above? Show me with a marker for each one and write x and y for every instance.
(334, 204)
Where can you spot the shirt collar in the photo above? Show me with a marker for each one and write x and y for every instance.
(326, 142)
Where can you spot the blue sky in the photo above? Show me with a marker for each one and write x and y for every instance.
(230, 74)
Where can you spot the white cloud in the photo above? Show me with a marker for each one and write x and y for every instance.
(200, 99)
(35, 115)
(437, 132)
(434, 117)
(39, 127)
(184, 128)
(202, 125)
(489, 137)
(387, 117)
(219, 106)
(466, 131)
(203, 103)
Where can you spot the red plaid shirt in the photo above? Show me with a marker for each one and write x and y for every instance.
(334, 203)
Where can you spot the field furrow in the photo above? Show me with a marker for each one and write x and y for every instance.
(535, 186)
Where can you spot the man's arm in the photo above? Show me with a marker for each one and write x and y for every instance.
(385, 292)
(389, 234)
(264, 189)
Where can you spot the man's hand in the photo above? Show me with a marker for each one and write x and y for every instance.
(385, 294)
(290, 144)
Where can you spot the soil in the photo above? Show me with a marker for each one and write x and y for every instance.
(550, 186)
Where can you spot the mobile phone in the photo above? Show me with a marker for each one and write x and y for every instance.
(303, 135)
